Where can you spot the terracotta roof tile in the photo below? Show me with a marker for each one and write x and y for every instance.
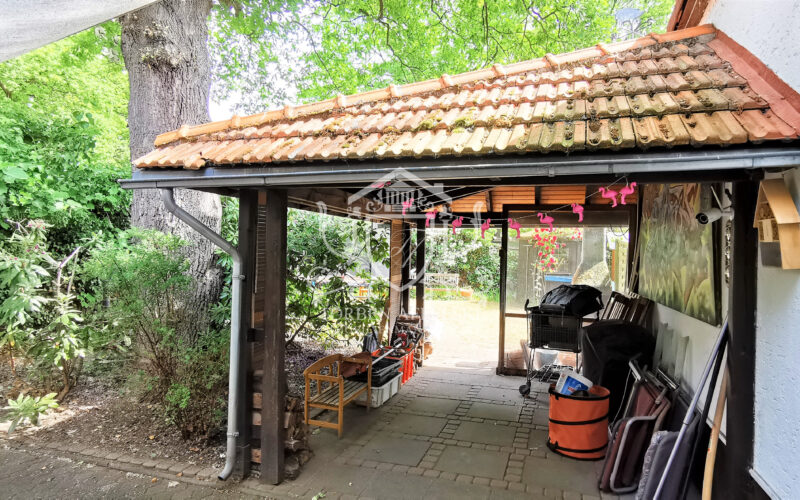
(686, 87)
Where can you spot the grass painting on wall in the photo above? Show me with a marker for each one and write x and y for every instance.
(677, 253)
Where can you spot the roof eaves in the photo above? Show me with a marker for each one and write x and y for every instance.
(783, 100)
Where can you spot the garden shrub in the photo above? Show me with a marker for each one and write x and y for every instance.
(39, 311)
(146, 280)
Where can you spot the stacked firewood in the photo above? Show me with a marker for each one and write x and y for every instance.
(297, 449)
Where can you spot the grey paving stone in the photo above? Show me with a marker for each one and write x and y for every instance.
(499, 394)
(454, 391)
(486, 433)
(435, 405)
(424, 426)
(494, 411)
(572, 475)
(470, 461)
(394, 450)
(537, 440)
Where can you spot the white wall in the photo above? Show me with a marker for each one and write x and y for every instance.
(777, 378)
(767, 28)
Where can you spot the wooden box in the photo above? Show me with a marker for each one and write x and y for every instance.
(778, 224)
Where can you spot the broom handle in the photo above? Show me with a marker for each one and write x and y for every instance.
(711, 456)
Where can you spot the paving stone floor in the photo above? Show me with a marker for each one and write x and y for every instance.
(451, 432)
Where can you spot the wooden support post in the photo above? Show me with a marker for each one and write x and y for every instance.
(395, 273)
(420, 266)
(273, 382)
(501, 353)
(248, 214)
(742, 347)
(406, 270)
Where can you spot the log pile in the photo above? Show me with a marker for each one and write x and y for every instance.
(296, 448)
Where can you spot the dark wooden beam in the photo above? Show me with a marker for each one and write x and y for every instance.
(406, 270)
(273, 384)
(420, 266)
(740, 431)
(248, 219)
(503, 272)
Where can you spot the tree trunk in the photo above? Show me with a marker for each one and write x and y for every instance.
(593, 269)
(166, 54)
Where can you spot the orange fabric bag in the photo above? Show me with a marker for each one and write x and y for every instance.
(579, 425)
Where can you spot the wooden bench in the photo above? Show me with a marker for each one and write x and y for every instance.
(333, 392)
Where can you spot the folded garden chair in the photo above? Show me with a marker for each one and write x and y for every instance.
(630, 436)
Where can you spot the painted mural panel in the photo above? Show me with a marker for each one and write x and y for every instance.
(677, 253)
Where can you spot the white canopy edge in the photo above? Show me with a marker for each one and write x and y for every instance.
(26, 25)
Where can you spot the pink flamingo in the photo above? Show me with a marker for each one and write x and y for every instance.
(609, 194)
(379, 185)
(627, 191)
(578, 209)
(545, 219)
(484, 227)
(407, 204)
(512, 224)
(429, 217)
(457, 223)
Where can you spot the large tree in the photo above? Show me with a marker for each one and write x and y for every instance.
(165, 47)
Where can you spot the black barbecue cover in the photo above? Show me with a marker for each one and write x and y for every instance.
(607, 347)
(577, 300)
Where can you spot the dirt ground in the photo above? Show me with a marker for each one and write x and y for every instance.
(101, 412)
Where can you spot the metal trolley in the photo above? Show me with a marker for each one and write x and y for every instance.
(549, 327)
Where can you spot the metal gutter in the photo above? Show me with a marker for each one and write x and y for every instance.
(494, 167)
(168, 198)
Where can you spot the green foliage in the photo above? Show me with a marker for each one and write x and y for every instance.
(476, 260)
(195, 399)
(326, 48)
(145, 278)
(328, 260)
(39, 310)
(63, 137)
(28, 408)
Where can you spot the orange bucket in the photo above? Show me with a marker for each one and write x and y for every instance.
(579, 425)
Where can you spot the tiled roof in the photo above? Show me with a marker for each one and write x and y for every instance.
(686, 87)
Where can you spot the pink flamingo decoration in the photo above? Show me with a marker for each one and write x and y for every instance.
(407, 204)
(429, 217)
(457, 223)
(545, 219)
(512, 224)
(609, 194)
(627, 191)
(578, 209)
(484, 227)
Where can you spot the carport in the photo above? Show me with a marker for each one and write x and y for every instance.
(674, 108)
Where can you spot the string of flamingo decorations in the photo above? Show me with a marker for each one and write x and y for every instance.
(615, 196)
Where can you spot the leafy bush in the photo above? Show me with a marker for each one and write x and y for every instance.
(63, 138)
(39, 309)
(328, 259)
(145, 278)
(476, 260)
(27, 408)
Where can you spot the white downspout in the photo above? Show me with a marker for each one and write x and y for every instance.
(237, 282)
